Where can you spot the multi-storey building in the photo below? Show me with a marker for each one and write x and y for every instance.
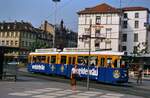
(112, 28)
(134, 32)
(63, 36)
(20, 36)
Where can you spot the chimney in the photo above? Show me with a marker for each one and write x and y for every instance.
(62, 24)
(45, 25)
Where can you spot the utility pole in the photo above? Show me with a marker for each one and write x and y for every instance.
(89, 58)
(90, 37)
(55, 20)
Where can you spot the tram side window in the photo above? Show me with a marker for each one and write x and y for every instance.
(109, 62)
(115, 63)
(71, 60)
(94, 61)
(53, 59)
(48, 60)
(82, 60)
(43, 59)
(102, 62)
(63, 59)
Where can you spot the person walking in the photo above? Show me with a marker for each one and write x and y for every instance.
(74, 75)
(139, 76)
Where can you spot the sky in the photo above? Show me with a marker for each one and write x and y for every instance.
(36, 11)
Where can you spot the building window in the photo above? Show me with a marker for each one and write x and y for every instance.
(7, 42)
(96, 44)
(97, 32)
(6, 34)
(124, 37)
(2, 27)
(22, 43)
(135, 37)
(3, 42)
(135, 49)
(26, 43)
(136, 15)
(16, 42)
(8, 27)
(125, 15)
(86, 31)
(3, 34)
(11, 43)
(124, 48)
(98, 19)
(136, 25)
(108, 32)
(125, 24)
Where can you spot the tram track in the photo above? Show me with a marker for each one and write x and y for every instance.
(125, 89)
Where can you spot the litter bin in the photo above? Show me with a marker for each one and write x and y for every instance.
(10, 70)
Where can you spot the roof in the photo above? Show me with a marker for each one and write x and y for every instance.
(102, 8)
(134, 9)
(105, 8)
(16, 26)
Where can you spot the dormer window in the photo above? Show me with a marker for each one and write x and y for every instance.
(14, 27)
(8, 27)
(2, 27)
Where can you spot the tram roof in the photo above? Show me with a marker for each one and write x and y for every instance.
(97, 52)
(83, 53)
(40, 53)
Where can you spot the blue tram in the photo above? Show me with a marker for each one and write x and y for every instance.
(103, 66)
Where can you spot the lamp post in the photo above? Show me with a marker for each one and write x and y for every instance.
(55, 1)
(89, 58)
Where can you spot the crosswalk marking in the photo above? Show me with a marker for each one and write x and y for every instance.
(63, 93)
(19, 94)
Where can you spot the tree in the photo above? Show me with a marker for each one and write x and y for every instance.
(37, 45)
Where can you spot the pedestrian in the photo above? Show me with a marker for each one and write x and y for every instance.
(139, 76)
(74, 75)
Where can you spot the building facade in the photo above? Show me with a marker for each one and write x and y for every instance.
(134, 32)
(112, 28)
(63, 36)
(20, 37)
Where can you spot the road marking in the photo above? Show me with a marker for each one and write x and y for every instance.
(19, 94)
(55, 92)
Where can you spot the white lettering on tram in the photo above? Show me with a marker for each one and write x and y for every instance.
(84, 71)
(38, 67)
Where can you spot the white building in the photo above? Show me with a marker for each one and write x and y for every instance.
(134, 30)
(112, 28)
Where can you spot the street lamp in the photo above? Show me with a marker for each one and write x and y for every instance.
(55, 1)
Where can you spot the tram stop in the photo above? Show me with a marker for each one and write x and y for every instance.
(8, 70)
